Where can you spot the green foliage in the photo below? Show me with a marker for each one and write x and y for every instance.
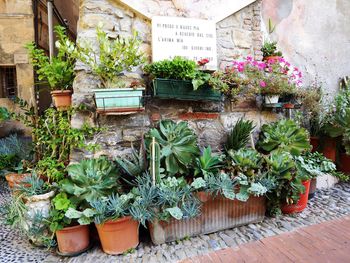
(341, 176)
(178, 68)
(4, 114)
(59, 71)
(178, 145)
(91, 179)
(220, 184)
(155, 169)
(287, 181)
(112, 57)
(246, 161)
(314, 164)
(84, 217)
(207, 163)
(284, 135)
(59, 206)
(239, 135)
(270, 49)
(137, 164)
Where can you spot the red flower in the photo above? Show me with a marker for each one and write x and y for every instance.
(203, 61)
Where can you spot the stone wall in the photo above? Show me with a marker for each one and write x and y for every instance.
(16, 30)
(238, 34)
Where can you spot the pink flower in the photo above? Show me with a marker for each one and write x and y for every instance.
(262, 84)
(249, 58)
(262, 66)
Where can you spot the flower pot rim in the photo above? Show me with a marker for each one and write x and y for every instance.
(61, 92)
(118, 220)
(118, 89)
(42, 197)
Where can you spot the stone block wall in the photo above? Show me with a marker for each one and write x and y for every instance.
(238, 34)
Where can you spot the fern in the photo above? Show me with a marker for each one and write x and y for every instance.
(239, 135)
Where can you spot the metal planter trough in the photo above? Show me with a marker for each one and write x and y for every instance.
(183, 90)
(119, 100)
(217, 214)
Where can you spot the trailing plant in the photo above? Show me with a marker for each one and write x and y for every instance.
(207, 163)
(239, 135)
(91, 179)
(4, 114)
(284, 135)
(178, 145)
(113, 57)
(58, 71)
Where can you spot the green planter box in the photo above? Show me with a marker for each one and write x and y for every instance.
(122, 99)
(183, 90)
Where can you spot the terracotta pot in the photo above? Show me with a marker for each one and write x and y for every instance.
(14, 179)
(313, 189)
(315, 142)
(344, 165)
(301, 204)
(288, 105)
(329, 148)
(73, 240)
(119, 235)
(275, 58)
(62, 98)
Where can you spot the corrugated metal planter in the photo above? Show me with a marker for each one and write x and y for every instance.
(183, 90)
(119, 100)
(217, 214)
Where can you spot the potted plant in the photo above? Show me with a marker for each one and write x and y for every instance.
(289, 189)
(109, 64)
(57, 71)
(270, 52)
(181, 79)
(72, 235)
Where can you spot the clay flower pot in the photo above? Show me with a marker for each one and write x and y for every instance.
(344, 163)
(288, 105)
(301, 204)
(274, 58)
(315, 142)
(329, 148)
(62, 99)
(73, 240)
(14, 179)
(117, 236)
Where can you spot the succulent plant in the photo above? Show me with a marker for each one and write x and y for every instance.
(246, 161)
(178, 145)
(207, 163)
(91, 179)
(239, 135)
(284, 135)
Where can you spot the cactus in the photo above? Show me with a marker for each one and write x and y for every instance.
(155, 161)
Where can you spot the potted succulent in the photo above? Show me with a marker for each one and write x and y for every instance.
(114, 59)
(72, 235)
(57, 71)
(182, 79)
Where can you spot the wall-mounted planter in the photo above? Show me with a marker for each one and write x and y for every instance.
(183, 90)
(217, 214)
(121, 100)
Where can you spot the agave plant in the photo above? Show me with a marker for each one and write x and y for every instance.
(137, 164)
(284, 135)
(178, 145)
(239, 135)
(246, 161)
(207, 163)
(91, 179)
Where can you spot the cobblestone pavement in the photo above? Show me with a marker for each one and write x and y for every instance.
(326, 205)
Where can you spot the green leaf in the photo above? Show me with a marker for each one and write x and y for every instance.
(175, 212)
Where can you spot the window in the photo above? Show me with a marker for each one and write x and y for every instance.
(8, 82)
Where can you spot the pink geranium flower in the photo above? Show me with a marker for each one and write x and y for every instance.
(262, 84)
